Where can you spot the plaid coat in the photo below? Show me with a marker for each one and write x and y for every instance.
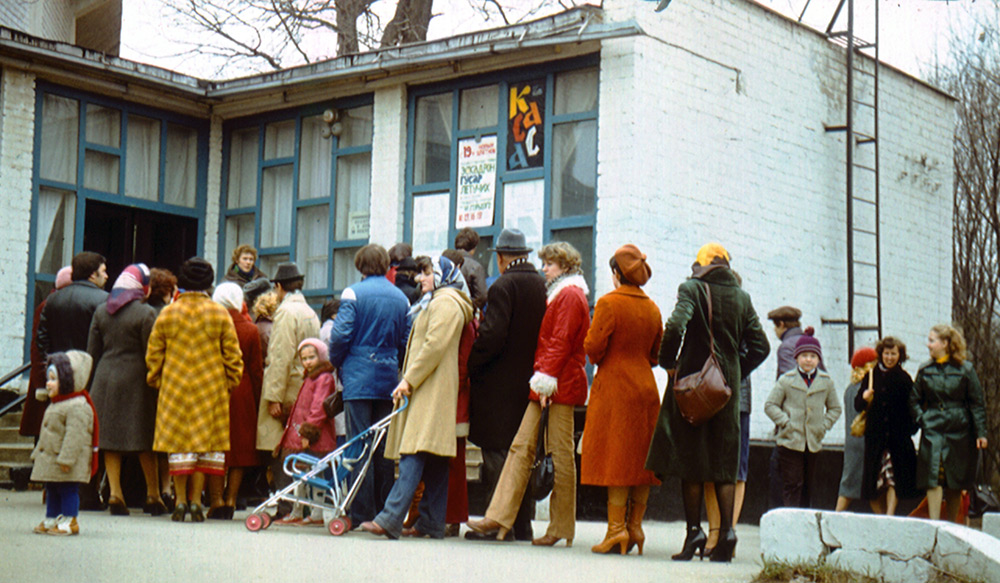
(194, 359)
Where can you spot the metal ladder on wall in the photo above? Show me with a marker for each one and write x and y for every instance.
(864, 274)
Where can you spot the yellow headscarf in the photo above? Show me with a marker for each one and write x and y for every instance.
(710, 251)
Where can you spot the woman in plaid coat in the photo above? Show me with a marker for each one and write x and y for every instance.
(194, 360)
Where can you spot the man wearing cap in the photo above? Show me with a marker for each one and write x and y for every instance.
(502, 361)
(788, 329)
(294, 321)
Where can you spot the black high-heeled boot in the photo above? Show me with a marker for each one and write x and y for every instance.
(694, 541)
(725, 548)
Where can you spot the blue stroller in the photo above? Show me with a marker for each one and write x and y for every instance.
(331, 474)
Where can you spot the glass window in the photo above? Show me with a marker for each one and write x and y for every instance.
(356, 124)
(56, 217)
(574, 169)
(430, 224)
(354, 185)
(576, 91)
(60, 131)
(269, 263)
(344, 272)
(104, 126)
(312, 245)
(432, 139)
(583, 239)
(478, 107)
(181, 166)
(315, 158)
(279, 140)
(142, 158)
(100, 171)
(276, 206)
(523, 210)
(239, 231)
(243, 169)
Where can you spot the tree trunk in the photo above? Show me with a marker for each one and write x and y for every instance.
(348, 12)
(409, 23)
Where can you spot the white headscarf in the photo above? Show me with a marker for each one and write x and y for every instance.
(230, 295)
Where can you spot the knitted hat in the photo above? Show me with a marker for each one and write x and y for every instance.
(196, 274)
(808, 343)
(64, 277)
(709, 252)
(319, 345)
(632, 264)
(863, 356)
(229, 295)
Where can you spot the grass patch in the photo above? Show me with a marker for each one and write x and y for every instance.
(822, 573)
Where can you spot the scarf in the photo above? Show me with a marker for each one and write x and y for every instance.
(446, 274)
(229, 295)
(132, 284)
(94, 438)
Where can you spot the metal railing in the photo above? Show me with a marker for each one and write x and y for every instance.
(13, 405)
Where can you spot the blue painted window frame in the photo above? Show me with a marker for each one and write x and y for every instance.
(84, 194)
(261, 122)
(503, 79)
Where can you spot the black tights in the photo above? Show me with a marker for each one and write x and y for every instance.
(693, 493)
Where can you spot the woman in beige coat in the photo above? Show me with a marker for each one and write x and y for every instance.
(423, 436)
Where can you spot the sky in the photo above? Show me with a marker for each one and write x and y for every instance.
(913, 34)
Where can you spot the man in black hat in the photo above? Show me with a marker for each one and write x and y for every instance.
(501, 364)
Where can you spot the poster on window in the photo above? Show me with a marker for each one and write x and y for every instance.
(525, 127)
(477, 182)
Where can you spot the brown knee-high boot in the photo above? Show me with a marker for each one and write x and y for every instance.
(616, 535)
(635, 535)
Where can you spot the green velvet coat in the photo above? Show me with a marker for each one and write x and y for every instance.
(947, 404)
(709, 452)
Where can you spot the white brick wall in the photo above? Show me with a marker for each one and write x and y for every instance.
(214, 195)
(722, 108)
(388, 164)
(17, 118)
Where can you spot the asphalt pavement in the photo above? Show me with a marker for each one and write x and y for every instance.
(141, 548)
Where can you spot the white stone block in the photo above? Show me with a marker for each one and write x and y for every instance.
(791, 535)
(901, 537)
(967, 553)
(991, 524)
(856, 561)
(911, 571)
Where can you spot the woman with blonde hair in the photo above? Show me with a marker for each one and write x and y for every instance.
(947, 405)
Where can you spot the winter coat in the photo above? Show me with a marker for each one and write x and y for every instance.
(66, 438)
(368, 338)
(431, 369)
(194, 360)
(503, 356)
(65, 320)
(126, 405)
(622, 342)
(264, 325)
(469, 334)
(711, 451)
(294, 321)
(34, 410)
(803, 414)
(786, 351)
(947, 404)
(559, 357)
(308, 408)
(475, 277)
(888, 426)
(410, 288)
(233, 274)
(244, 401)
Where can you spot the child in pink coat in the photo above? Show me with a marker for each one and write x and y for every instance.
(308, 429)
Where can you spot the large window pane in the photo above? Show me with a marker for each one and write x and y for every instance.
(478, 108)
(344, 272)
(269, 263)
(432, 139)
(181, 166)
(430, 224)
(524, 209)
(315, 159)
(142, 158)
(576, 91)
(279, 139)
(357, 127)
(354, 185)
(56, 215)
(583, 239)
(276, 206)
(239, 231)
(243, 169)
(104, 126)
(100, 171)
(312, 234)
(60, 137)
(574, 169)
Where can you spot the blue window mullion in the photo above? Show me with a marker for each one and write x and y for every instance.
(550, 83)
(260, 183)
(123, 142)
(456, 95)
(162, 178)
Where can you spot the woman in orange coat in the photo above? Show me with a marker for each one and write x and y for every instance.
(623, 341)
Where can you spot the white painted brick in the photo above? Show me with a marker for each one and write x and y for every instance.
(388, 166)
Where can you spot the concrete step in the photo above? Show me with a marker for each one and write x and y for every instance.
(18, 454)
(11, 419)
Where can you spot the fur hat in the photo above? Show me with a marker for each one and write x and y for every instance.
(196, 274)
(632, 264)
(64, 277)
(863, 356)
(321, 349)
(808, 343)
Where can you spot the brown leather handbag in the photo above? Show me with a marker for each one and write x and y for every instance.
(702, 394)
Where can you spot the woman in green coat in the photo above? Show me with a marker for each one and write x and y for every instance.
(947, 405)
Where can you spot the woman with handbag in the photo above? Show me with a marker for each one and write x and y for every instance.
(947, 405)
(622, 341)
(558, 385)
(890, 465)
(863, 361)
(708, 452)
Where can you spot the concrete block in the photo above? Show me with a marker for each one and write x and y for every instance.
(910, 571)
(991, 524)
(902, 538)
(967, 553)
(791, 535)
(856, 561)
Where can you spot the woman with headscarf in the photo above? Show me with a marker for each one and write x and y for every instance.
(709, 452)
(422, 437)
(125, 404)
(622, 341)
(243, 404)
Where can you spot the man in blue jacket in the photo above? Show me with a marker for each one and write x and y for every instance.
(366, 343)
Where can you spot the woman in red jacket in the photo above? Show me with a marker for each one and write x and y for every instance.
(559, 383)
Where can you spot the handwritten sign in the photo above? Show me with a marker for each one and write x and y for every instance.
(477, 182)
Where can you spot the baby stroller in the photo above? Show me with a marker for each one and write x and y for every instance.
(331, 474)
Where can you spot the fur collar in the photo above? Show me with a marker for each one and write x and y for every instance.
(562, 283)
(321, 368)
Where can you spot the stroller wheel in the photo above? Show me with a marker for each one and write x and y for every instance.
(254, 522)
(266, 519)
(339, 526)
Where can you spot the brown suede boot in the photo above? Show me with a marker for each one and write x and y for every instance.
(635, 535)
(616, 535)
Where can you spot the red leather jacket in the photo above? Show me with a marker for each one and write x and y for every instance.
(560, 353)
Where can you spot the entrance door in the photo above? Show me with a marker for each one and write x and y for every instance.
(126, 235)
